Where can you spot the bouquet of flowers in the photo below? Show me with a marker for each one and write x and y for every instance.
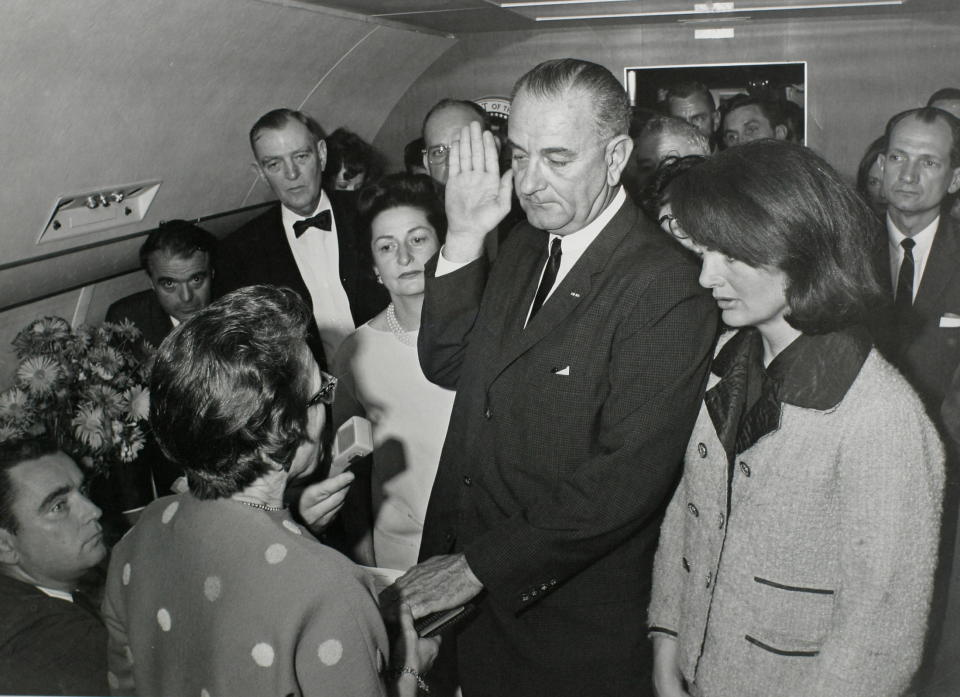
(85, 387)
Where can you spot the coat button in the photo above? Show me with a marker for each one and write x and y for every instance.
(709, 578)
(553, 582)
(544, 587)
(534, 593)
(467, 481)
(686, 564)
(720, 520)
(524, 597)
(702, 449)
(693, 510)
(745, 468)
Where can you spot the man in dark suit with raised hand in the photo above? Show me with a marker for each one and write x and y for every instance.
(178, 259)
(307, 242)
(579, 359)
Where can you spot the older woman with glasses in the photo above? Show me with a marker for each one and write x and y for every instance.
(220, 591)
(797, 554)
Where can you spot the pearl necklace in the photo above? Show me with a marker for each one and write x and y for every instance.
(261, 506)
(408, 338)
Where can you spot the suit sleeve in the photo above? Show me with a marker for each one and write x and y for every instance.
(450, 307)
(657, 369)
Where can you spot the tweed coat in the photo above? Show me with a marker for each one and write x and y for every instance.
(563, 447)
(813, 577)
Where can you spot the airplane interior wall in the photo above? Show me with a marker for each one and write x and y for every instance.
(106, 92)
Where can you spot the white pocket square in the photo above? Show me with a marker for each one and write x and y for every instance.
(950, 320)
(561, 371)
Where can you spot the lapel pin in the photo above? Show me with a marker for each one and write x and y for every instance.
(574, 293)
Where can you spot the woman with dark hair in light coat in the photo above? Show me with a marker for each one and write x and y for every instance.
(797, 555)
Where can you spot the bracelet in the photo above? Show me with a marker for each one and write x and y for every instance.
(407, 670)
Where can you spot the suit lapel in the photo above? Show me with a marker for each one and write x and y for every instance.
(941, 267)
(571, 291)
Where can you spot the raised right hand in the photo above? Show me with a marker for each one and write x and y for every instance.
(476, 198)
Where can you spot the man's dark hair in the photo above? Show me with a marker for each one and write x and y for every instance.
(229, 388)
(929, 115)
(278, 118)
(685, 90)
(178, 238)
(772, 203)
(413, 154)
(11, 455)
(348, 150)
(944, 93)
(772, 109)
(481, 113)
(552, 79)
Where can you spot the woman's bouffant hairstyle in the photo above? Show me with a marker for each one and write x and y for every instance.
(874, 150)
(777, 204)
(229, 389)
(393, 191)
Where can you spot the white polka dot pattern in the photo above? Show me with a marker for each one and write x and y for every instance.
(211, 588)
(262, 655)
(126, 574)
(330, 652)
(164, 619)
(169, 512)
(275, 553)
(292, 527)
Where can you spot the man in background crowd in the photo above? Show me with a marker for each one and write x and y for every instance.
(919, 263)
(662, 137)
(307, 242)
(747, 118)
(693, 102)
(178, 259)
(442, 126)
(52, 640)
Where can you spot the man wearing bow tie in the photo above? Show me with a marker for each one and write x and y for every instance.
(307, 243)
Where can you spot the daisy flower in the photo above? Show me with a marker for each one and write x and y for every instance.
(132, 444)
(41, 336)
(105, 362)
(88, 426)
(39, 374)
(10, 432)
(137, 401)
(107, 399)
(15, 406)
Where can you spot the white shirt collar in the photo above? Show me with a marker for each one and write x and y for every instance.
(289, 217)
(54, 593)
(575, 243)
(924, 238)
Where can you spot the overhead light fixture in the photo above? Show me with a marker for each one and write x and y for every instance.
(699, 8)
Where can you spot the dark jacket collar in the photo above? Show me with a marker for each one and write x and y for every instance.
(813, 372)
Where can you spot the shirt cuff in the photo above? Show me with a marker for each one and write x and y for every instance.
(445, 266)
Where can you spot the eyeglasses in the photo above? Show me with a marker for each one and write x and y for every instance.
(670, 224)
(325, 395)
(437, 154)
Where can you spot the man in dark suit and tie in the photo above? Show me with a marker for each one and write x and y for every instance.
(52, 639)
(178, 259)
(919, 262)
(579, 358)
(307, 242)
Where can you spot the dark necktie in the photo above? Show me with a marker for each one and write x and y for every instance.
(904, 298)
(549, 277)
(321, 220)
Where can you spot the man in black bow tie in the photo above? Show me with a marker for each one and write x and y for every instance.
(307, 243)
